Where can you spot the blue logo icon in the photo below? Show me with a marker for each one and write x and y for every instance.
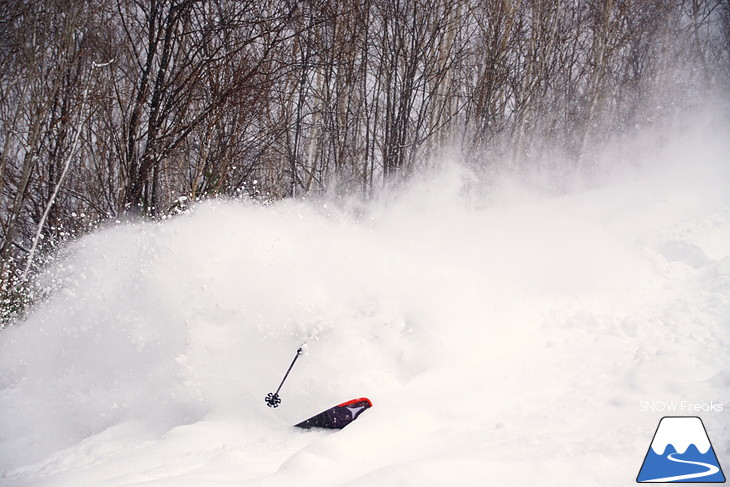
(681, 452)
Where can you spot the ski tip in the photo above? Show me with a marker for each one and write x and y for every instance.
(355, 401)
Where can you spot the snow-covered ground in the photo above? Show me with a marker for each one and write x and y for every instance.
(505, 337)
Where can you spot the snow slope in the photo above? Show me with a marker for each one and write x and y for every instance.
(505, 337)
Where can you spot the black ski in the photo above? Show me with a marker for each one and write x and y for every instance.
(339, 416)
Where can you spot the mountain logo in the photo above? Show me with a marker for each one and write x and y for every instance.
(680, 452)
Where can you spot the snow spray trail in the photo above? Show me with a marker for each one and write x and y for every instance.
(502, 334)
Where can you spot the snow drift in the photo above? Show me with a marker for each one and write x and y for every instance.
(506, 337)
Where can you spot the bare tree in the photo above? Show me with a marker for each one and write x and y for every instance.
(190, 99)
(43, 49)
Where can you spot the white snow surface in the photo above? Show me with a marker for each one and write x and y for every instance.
(505, 336)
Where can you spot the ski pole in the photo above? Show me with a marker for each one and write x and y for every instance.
(272, 398)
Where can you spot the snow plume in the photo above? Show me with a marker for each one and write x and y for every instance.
(505, 336)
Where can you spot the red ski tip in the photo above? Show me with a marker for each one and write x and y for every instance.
(354, 401)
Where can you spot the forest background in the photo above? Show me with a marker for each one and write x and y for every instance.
(117, 109)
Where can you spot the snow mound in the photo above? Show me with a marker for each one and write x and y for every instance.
(501, 335)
